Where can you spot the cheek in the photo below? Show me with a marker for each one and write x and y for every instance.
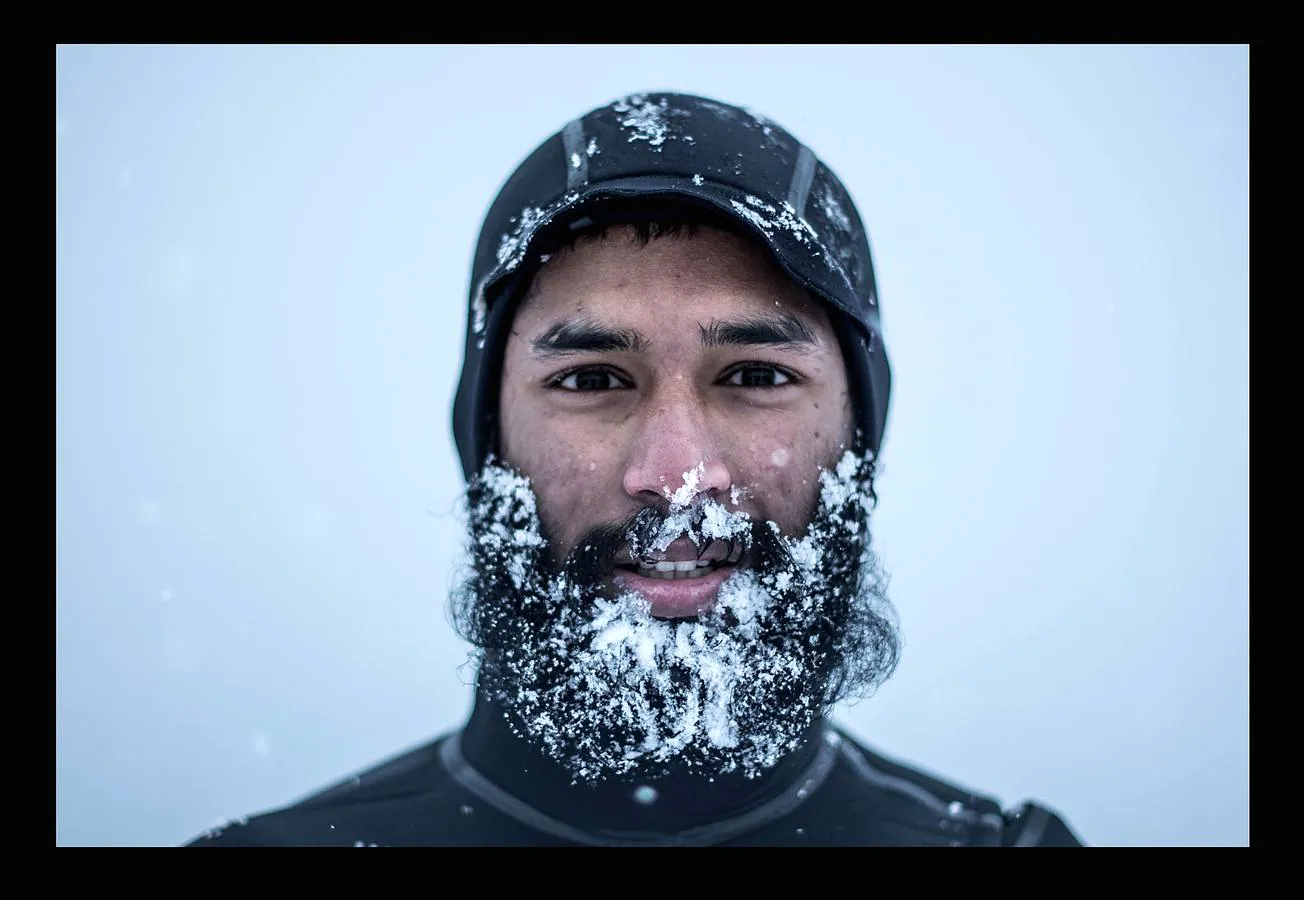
(570, 474)
(781, 478)
(782, 469)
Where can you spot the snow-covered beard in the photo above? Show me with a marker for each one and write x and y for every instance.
(585, 673)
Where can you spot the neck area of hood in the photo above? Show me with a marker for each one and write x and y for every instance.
(682, 807)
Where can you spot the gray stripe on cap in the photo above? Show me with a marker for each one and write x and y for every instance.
(577, 161)
(802, 176)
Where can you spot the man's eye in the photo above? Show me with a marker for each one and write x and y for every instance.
(757, 376)
(589, 380)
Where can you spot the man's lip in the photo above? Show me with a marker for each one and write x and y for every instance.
(676, 598)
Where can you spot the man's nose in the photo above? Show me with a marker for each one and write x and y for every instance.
(674, 456)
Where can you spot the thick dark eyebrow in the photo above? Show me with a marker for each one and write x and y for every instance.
(778, 329)
(586, 336)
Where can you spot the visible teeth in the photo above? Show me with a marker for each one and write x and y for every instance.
(668, 570)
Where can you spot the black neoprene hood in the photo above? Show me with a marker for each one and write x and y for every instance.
(654, 156)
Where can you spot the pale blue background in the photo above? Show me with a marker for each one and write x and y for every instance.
(261, 269)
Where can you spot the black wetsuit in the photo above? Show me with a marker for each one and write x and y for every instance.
(482, 786)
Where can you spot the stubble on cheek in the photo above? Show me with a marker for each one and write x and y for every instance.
(784, 484)
(568, 487)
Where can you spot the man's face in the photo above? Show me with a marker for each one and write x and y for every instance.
(670, 560)
(653, 375)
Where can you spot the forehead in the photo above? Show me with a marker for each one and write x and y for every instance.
(617, 273)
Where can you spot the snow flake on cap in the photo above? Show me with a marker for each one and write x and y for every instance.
(767, 218)
(478, 310)
(511, 250)
(844, 248)
(592, 149)
(647, 121)
(725, 112)
(511, 246)
(767, 127)
(218, 830)
(833, 210)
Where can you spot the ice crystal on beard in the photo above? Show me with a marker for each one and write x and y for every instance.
(608, 690)
(697, 517)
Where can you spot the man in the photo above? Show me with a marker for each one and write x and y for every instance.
(674, 393)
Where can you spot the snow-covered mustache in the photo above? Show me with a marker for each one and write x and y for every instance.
(642, 539)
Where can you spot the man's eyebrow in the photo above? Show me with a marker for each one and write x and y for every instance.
(586, 336)
(782, 329)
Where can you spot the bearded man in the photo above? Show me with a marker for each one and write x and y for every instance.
(674, 394)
